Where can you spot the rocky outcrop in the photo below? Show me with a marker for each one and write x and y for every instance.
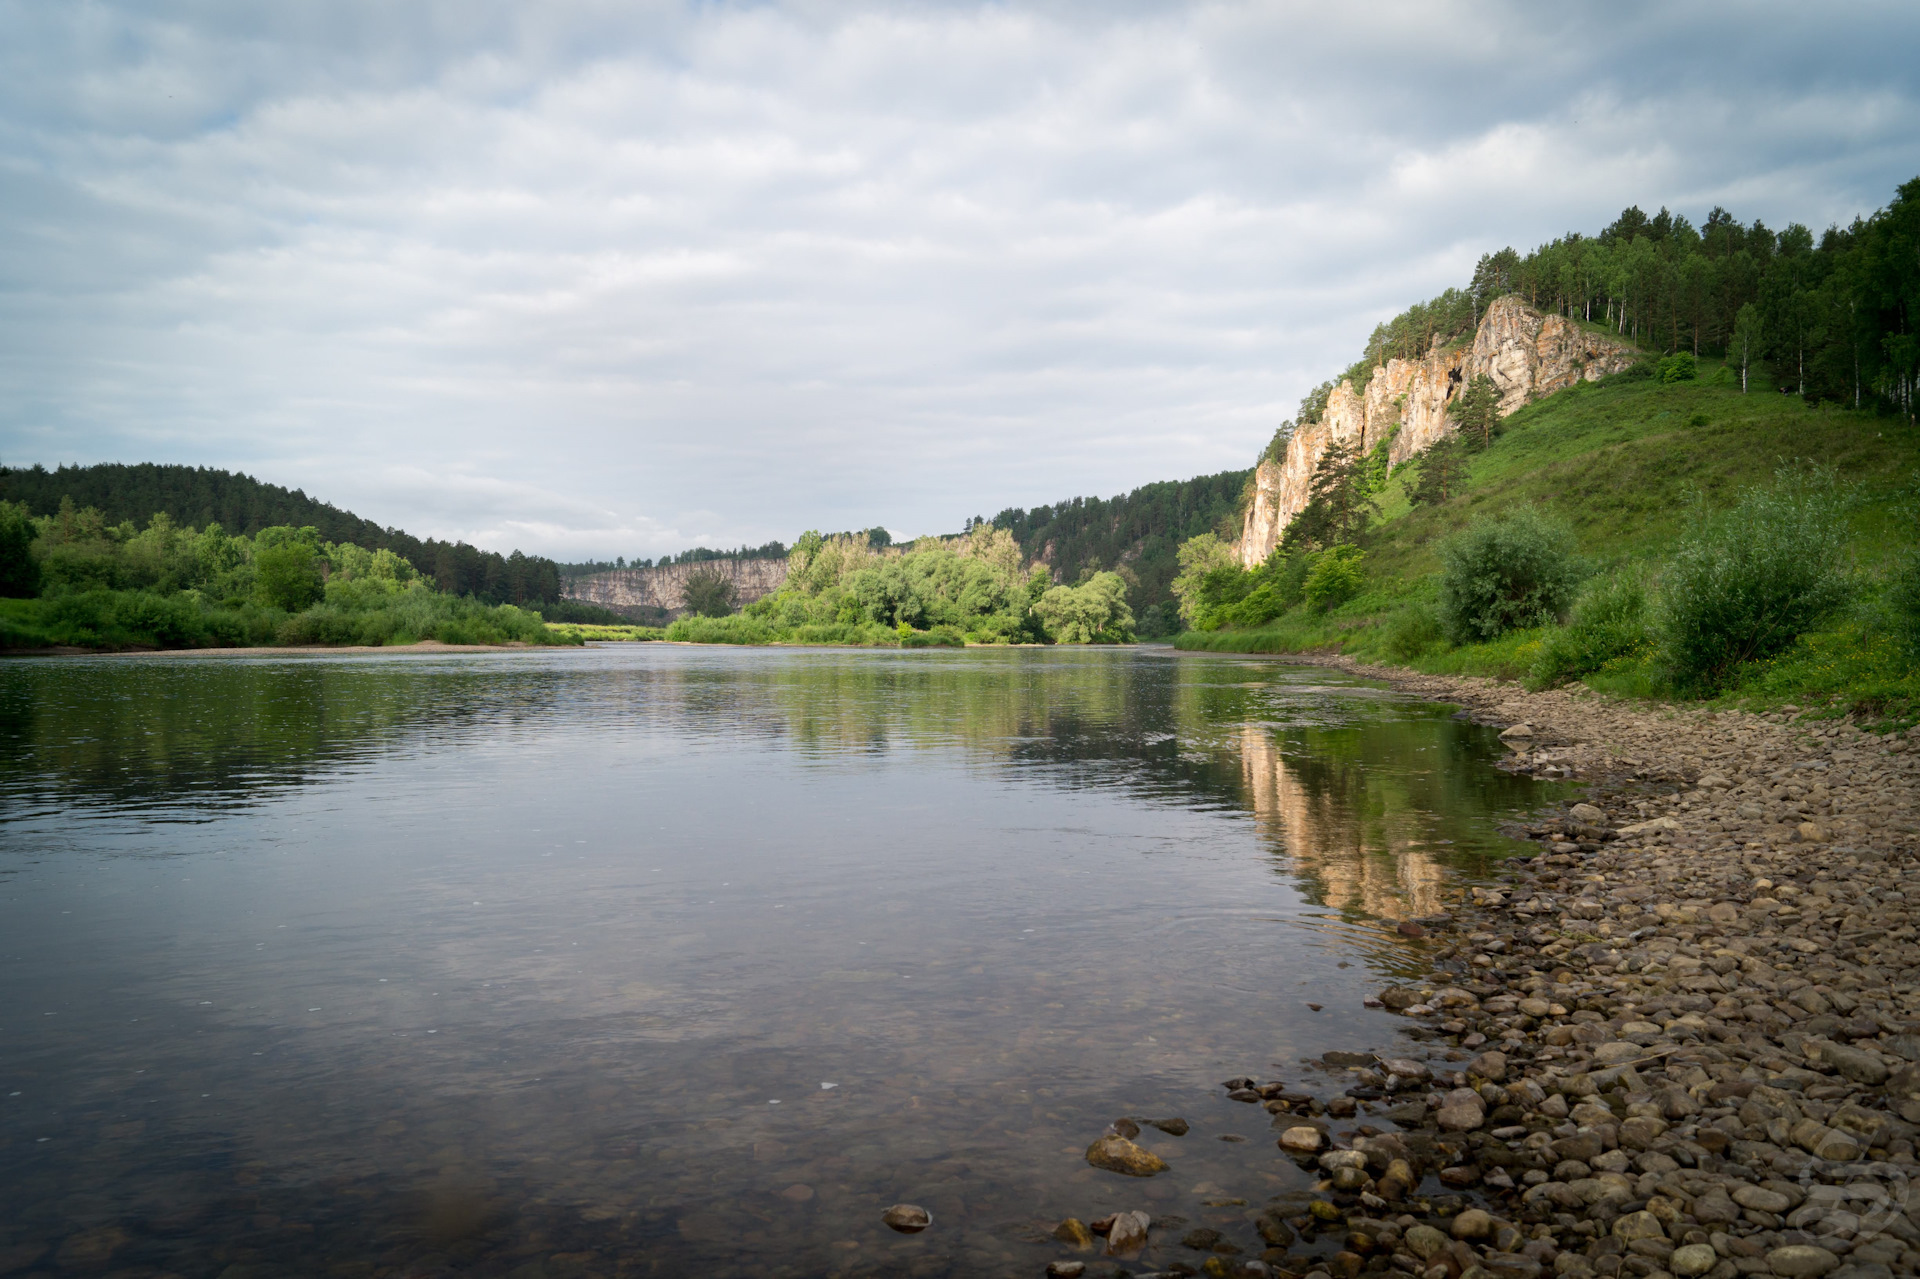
(1527, 355)
(650, 590)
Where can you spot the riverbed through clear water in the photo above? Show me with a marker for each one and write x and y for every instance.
(657, 960)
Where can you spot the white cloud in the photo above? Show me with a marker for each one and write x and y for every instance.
(597, 279)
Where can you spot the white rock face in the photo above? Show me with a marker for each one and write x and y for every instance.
(665, 586)
(1527, 355)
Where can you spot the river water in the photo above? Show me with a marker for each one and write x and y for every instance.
(652, 960)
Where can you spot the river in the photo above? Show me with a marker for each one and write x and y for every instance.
(657, 960)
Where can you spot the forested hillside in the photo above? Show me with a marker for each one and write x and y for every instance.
(1137, 535)
(193, 497)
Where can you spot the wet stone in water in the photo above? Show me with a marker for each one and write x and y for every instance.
(908, 1219)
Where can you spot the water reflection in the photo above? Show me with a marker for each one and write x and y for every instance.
(482, 964)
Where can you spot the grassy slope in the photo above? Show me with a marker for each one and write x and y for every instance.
(1620, 461)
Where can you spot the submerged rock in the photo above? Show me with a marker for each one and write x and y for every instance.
(1127, 1236)
(1117, 1154)
(908, 1219)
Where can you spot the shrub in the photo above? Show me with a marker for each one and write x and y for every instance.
(1610, 621)
(1094, 613)
(1334, 580)
(736, 629)
(1744, 584)
(1678, 367)
(1507, 572)
(1411, 632)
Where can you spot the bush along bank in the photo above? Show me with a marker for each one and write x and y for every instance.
(75, 581)
(1681, 1038)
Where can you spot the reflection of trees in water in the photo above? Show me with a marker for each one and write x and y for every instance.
(1362, 810)
(1335, 828)
(212, 733)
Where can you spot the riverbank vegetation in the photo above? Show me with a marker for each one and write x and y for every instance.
(1649, 539)
(200, 496)
(1737, 517)
(974, 589)
(72, 579)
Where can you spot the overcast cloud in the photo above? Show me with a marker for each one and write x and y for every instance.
(597, 278)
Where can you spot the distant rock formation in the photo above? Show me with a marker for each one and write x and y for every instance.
(654, 592)
(1527, 354)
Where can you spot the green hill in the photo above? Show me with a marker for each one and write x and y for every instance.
(1625, 463)
(194, 497)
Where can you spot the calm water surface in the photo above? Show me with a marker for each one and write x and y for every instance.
(657, 960)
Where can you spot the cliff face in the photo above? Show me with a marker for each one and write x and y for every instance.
(665, 587)
(1527, 355)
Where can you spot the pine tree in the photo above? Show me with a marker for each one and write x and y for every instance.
(1477, 410)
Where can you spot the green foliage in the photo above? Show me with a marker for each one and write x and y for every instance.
(124, 497)
(1095, 612)
(1339, 503)
(1195, 588)
(1412, 632)
(1477, 410)
(1744, 584)
(738, 628)
(1506, 572)
(1438, 473)
(287, 575)
(1142, 530)
(709, 593)
(1336, 577)
(1678, 367)
(1611, 624)
(19, 571)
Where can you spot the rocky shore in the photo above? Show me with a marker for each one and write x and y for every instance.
(1682, 1038)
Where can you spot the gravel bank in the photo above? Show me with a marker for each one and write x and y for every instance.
(1682, 1039)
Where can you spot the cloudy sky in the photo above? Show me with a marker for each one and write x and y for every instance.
(598, 278)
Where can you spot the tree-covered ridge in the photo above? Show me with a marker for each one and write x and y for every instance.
(72, 578)
(1834, 317)
(1136, 535)
(198, 496)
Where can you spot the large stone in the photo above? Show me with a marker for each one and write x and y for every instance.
(1612, 1054)
(1462, 1111)
(1066, 1269)
(1857, 1064)
(1587, 815)
(1823, 1142)
(1474, 1223)
(1490, 1066)
(1801, 1261)
(1301, 1140)
(1117, 1154)
(1074, 1233)
(1424, 1242)
(1127, 1237)
(1693, 1259)
(1761, 1199)
(908, 1219)
(1638, 1225)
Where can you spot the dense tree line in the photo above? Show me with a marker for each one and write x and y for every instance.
(1831, 317)
(774, 550)
(195, 497)
(1137, 535)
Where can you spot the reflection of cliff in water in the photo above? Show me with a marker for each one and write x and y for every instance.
(1322, 816)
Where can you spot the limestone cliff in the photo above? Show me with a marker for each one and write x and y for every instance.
(645, 590)
(1527, 355)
